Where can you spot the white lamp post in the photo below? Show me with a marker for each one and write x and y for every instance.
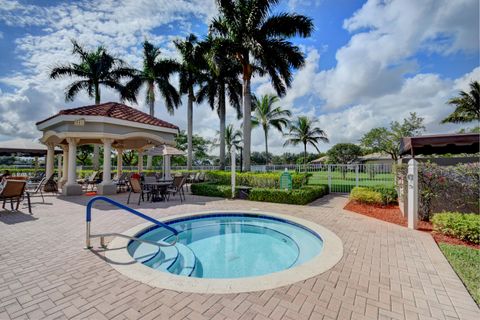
(233, 168)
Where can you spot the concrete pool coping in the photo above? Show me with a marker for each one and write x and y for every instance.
(118, 257)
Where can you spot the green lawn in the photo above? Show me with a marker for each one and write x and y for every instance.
(466, 263)
(344, 183)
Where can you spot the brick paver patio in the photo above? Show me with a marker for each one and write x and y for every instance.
(387, 272)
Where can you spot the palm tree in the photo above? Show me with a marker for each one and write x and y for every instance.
(233, 138)
(266, 115)
(156, 71)
(303, 131)
(467, 105)
(189, 77)
(219, 78)
(95, 68)
(250, 33)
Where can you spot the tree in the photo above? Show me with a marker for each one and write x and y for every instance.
(303, 131)
(129, 158)
(266, 116)
(85, 151)
(257, 38)
(219, 78)
(200, 146)
(233, 138)
(189, 77)
(95, 68)
(156, 71)
(344, 153)
(388, 140)
(467, 105)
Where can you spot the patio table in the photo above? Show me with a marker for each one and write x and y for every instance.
(158, 190)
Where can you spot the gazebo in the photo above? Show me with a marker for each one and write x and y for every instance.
(110, 124)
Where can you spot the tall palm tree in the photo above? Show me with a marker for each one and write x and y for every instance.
(96, 68)
(467, 105)
(266, 115)
(257, 38)
(189, 78)
(303, 131)
(219, 78)
(233, 137)
(156, 71)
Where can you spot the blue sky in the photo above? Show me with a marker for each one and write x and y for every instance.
(368, 62)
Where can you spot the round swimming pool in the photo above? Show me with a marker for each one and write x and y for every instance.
(225, 252)
(227, 246)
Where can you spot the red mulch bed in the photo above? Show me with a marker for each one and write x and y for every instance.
(392, 214)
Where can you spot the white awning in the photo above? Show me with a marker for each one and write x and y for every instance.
(164, 151)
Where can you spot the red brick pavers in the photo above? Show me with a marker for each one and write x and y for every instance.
(387, 272)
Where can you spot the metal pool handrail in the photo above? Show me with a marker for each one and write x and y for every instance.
(124, 207)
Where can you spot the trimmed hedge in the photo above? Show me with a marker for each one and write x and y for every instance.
(296, 196)
(459, 225)
(211, 190)
(301, 196)
(260, 180)
(374, 195)
(366, 195)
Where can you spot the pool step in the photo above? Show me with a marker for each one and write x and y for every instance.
(164, 259)
(185, 262)
(143, 252)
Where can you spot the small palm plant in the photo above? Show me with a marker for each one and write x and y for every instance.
(303, 131)
(156, 71)
(96, 68)
(467, 105)
(267, 115)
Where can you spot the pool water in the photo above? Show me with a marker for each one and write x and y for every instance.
(227, 246)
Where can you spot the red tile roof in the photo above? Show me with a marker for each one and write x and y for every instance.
(116, 111)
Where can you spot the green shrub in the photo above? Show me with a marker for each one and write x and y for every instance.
(366, 195)
(252, 179)
(388, 193)
(296, 196)
(303, 195)
(211, 190)
(463, 226)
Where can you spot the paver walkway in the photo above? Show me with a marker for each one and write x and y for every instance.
(387, 272)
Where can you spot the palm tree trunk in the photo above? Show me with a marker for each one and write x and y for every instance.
(221, 114)
(265, 131)
(305, 156)
(151, 106)
(96, 147)
(190, 129)
(151, 98)
(247, 122)
(97, 93)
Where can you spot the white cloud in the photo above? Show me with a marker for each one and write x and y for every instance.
(387, 34)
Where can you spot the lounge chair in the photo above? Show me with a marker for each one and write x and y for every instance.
(121, 181)
(91, 180)
(14, 190)
(177, 187)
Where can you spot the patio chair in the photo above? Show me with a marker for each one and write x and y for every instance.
(39, 175)
(121, 181)
(177, 187)
(136, 187)
(201, 177)
(91, 180)
(14, 190)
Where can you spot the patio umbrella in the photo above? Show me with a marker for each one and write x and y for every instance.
(166, 152)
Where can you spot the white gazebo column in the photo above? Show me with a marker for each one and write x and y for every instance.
(59, 166)
(96, 157)
(63, 180)
(140, 161)
(72, 187)
(107, 186)
(119, 162)
(166, 167)
(149, 162)
(50, 160)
